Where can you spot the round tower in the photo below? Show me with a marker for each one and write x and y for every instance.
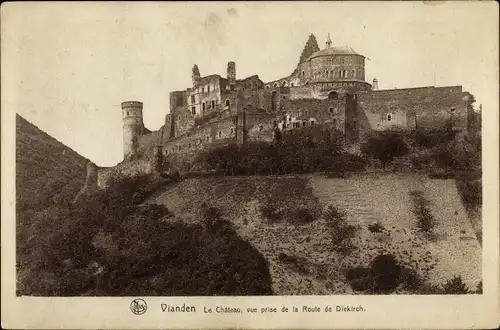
(133, 126)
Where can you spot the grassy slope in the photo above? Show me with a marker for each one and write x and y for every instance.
(47, 173)
(366, 199)
(46, 169)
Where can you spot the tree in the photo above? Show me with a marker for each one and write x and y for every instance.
(385, 147)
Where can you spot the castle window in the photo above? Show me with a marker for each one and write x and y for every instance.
(261, 127)
(203, 89)
(389, 117)
(330, 110)
(203, 106)
(212, 104)
(128, 114)
(354, 124)
(333, 95)
(353, 73)
(168, 119)
(232, 130)
(312, 122)
(200, 141)
(335, 122)
(192, 99)
(178, 117)
(220, 134)
(193, 111)
(304, 123)
(292, 84)
(452, 110)
(189, 145)
(275, 123)
(208, 89)
(305, 112)
(275, 85)
(208, 138)
(267, 86)
(284, 97)
(228, 103)
(303, 74)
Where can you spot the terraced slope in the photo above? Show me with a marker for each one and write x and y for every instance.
(301, 257)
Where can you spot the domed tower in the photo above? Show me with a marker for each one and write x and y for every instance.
(133, 126)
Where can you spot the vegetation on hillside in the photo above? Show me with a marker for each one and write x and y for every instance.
(47, 171)
(299, 151)
(109, 245)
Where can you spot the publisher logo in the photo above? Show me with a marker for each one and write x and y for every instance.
(138, 306)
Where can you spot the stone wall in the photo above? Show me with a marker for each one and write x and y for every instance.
(402, 109)
(125, 169)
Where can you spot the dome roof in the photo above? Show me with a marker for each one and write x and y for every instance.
(343, 50)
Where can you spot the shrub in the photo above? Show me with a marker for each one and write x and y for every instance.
(302, 216)
(455, 286)
(385, 147)
(421, 210)
(479, 288)
(376, 227)
(341, 232)
(385, 272)
(271, 212)
(359, 278)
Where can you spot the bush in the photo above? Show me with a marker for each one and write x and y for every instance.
(455, 286)
(385, 147)
(271, 212)
(376, 227)
(386, 273)
(421, 210)
(341, 232)
(302, 216)
(359, 278)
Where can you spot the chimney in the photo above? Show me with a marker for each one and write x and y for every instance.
(375, 84)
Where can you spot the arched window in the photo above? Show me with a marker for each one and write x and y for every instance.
(333, 95)
(261, 127)
(341, 73)
(212, 103)
(389, 116)
(220, 134)
(228, 103)
(203, 106)
(353, 73)
(292, 84)
(267, 86)
(354, 124)
(303, 74)
(335, 122)
(275, 85)
(330, 110)
(283, 84)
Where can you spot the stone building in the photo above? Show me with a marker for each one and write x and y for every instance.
(327, 87)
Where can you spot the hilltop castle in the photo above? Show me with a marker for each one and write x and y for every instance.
(327, 87)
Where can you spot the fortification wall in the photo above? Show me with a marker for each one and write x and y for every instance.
(125, 169)
(402, 109)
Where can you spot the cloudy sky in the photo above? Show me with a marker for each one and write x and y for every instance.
(67, 67)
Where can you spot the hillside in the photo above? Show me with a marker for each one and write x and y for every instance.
(300, 255)
(47, 171)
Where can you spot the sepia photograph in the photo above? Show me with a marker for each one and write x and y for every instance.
(247, 149)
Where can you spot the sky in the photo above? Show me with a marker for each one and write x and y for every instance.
(66, 67)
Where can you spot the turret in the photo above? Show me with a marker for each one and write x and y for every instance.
(231, 72)
(375, 84)
(133, 127)
(196, 76)
(328, 41)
